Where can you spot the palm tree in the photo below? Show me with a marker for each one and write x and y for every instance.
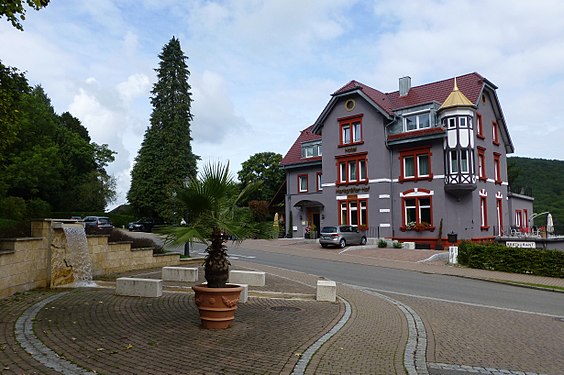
(214, 217)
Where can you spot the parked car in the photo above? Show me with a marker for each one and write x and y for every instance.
(97, 225)
(341, 236)
(141, 225)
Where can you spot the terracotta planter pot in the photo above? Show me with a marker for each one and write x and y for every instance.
(217, 305)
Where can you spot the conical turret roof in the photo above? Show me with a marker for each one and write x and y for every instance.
(456, 99)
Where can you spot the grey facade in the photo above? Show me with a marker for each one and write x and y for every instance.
(400, 164)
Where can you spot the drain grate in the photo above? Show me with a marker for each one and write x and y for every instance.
(285, 308)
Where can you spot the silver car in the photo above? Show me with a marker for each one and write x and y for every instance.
(341, 236)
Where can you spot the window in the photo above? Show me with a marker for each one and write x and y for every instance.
(499, 213)
(479, 126)
(415, 165)
(459, 161)
(354, 211)
(311, 150)
(518, 218)
(453, 161)
(484, 213)
(463, 122)
(452, 123)
(352, 169)
(525, 219)
(351, 130)
(497, 168)
(482, 163)
(302, 183)
(417, 210)
(318, 178)
(464, 163)
(416, 121)
(495, 133)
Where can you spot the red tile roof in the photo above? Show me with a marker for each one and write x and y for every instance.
(294, 155)
(470, 84)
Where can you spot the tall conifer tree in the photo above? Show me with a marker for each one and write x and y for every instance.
(165, 159)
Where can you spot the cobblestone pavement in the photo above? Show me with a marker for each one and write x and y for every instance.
(278, 330)
(102, 332)
(490, 338)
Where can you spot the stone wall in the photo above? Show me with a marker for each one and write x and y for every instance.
(26, 263)
(23, 265)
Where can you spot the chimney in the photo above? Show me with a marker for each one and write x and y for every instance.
(404, 85)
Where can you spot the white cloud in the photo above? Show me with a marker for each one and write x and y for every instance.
(261, 70)
(136, 85)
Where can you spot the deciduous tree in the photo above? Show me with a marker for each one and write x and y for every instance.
(14, 10)
(265, 167)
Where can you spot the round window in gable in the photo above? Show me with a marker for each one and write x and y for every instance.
(350, 104)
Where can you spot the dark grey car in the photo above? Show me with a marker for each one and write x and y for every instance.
(97, 225)
(341, 236)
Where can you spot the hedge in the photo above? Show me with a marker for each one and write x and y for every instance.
(497, 257)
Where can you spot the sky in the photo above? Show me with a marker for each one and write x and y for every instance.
(262, 70)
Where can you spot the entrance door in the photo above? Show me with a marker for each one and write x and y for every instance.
(313, 218)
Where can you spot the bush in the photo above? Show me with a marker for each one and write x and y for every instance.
(497, 257)
(398, 245)
(117, 235)
(13, 208)
(38, 208)
(382, 243)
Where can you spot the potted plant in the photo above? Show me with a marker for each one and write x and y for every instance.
(211, 200)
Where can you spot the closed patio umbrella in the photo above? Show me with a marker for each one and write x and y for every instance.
(549, 224)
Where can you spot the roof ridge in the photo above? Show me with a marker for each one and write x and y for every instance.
(438, 82)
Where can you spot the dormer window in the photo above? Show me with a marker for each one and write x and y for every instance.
(416, 121)
(311, 149)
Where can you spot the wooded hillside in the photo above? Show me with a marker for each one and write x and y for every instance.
(546, 180)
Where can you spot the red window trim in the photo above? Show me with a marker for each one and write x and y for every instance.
(415, 152)
(525, 219)
(405, 196)
(479, 126)
(299, 185)
(353, 198)
(495, 133)
(349, 120)
(346, 159)
(520, 212)
(482, 155)
(485, 201)
(497, 168)
(499, 205)
(317, 181)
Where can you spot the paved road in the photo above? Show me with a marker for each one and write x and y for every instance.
(412, 283)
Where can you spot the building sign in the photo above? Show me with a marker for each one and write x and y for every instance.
(353, 190)
(522, 244)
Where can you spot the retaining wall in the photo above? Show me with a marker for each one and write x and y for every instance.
(26, 263)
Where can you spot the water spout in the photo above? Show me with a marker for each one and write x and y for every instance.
(78, 256)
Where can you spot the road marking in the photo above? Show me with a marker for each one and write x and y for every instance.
(465, 303)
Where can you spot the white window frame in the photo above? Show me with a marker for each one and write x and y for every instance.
(453, 161)
(417, 116)
(464, 161)
(301, 180)
(419, 173)
(314, 147)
